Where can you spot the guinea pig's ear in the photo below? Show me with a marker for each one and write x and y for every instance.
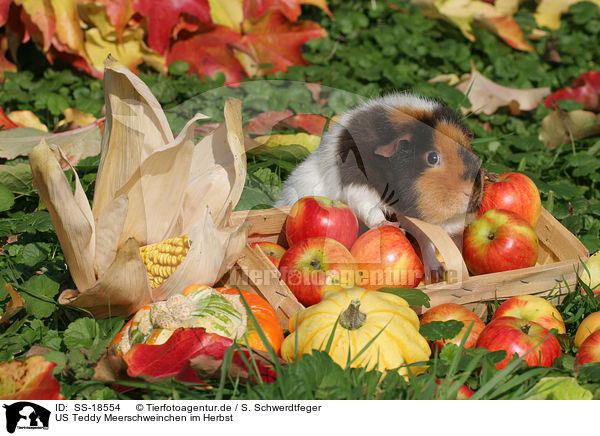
(390, 149)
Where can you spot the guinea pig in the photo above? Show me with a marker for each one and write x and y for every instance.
(393, 156)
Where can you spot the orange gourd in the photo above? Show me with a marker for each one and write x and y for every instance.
(266, 317)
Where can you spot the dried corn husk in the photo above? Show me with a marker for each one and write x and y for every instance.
(150, 187)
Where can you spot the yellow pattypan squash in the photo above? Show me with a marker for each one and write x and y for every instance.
(362, 315)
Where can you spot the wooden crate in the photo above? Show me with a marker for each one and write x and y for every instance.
(560, 257)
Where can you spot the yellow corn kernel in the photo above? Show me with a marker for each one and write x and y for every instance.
(163, 258)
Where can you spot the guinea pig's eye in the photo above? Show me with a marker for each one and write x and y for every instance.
(433, 159)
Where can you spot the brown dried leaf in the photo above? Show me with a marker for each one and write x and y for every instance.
(37, 350)
(559, 127)
(486, 96)
(14, 306)
(110, 367)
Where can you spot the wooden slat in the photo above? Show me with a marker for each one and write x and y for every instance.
(502, 285)
(255, 268)
(263, 221)
(553, 235)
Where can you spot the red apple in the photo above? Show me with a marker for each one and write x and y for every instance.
(589, 325)
(449, 311)
(272, 250)
(589, 350)
(314, 265)
(464, 392)
(499, 240)
(515, 335)
(532, 308)
(312, 217)
(515, 192)
(385, 258)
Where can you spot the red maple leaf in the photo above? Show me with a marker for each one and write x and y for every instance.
(5, 122)
(4, 5)
(311, 123)
(289, 8)
(208, 53)
(585, 89)
(264, 122)
(187, 353)
(163, 15)
(276, 41)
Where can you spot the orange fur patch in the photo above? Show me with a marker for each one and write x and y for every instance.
(407, 115)
(453, 132)
(440, 189)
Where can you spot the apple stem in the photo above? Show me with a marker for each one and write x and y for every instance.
(491, 236)
(352, 318)
(315, 263)
(525, 328)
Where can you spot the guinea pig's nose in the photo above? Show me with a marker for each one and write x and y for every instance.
(467, 195)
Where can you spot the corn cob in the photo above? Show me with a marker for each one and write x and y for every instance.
(163, 258)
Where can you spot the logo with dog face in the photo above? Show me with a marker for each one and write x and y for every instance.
(26, 415)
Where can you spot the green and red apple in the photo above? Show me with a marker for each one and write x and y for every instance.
(464, 392)
(499, 240)
(314, 265)
(386, 258)
(515, 192)
(532, 308)
(272, 250)
(589, 325)
(535, 344)
(589, 351)
(453, 311)
(312, 217)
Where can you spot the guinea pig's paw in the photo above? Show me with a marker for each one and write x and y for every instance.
(389, 223)
(435, 271)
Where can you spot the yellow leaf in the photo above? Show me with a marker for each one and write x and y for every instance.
(507, 7)
(68, 28)
(228, 13)
(548, 12)
(308, 141)
(458, 12)
(450, 79)
(463, 13)
(94, 15)
(27, 119)
(132, 52)
(42, 15)
(102, 40)
(76, 117)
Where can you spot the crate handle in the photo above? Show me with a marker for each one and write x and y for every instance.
(455, 265)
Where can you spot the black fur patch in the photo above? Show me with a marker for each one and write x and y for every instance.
(394, 177)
